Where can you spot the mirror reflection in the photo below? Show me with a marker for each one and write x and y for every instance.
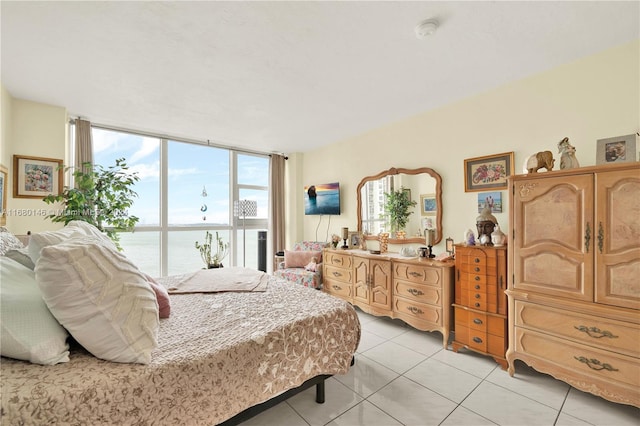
(424, 186)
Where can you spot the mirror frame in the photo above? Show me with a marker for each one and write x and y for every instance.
(394, 171)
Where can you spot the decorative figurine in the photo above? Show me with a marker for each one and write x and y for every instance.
(567, 152)
(539, 160)
(486, 223)
(469, 238)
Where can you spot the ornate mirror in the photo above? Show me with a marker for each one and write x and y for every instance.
(425, 188)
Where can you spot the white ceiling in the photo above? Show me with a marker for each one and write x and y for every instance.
(286, 76)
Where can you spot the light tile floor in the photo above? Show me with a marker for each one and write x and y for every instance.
(404, 377)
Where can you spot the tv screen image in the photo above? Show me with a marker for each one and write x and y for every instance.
(322, 199)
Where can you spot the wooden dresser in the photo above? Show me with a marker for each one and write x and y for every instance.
(574, 293)
(418, 291)
(480, 301)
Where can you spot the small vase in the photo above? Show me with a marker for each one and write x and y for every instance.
(498, 238)
(383, 237)
(401, 235)
(215, 266)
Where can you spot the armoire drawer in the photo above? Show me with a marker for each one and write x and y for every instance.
(607, 334)
(582, 359)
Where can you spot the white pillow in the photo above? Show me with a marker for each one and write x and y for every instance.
(28, 330)
(101, 298)
(92, 231)
(43, 239)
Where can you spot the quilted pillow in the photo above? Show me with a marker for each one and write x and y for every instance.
(92, 231)
(8, 241)
(28, 331)
(101, 298)
(43, 239)
(300, 258)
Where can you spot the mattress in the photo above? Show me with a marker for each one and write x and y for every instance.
(217, 355)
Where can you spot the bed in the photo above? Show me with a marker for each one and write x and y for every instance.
(217, 356)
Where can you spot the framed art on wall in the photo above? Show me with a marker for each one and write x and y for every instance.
(428, 204)
(492, 199)
(3, 195)
(36, 177)
(488, 172)
(619, 149)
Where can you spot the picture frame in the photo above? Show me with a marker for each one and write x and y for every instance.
(488, 172)
(449, 246)
(354, 240)
(36, 177)
(428, 204)
(619, 149)
(4, 175)
(494, 199)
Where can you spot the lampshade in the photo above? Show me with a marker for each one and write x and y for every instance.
(345, 233)
(245, 208)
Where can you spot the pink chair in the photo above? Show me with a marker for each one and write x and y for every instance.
(293, 267)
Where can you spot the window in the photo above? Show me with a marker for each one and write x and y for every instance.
(184, 190)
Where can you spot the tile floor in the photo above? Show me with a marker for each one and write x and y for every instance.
(404, 377)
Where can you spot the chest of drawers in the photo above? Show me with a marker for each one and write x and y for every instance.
(480, 301)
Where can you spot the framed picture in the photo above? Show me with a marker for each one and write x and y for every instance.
(620, 149)
(354, 240)
(493, 199)
(449, 245)
(487, 173)
(428, 205)
(35, 177)
(4, 173)
(428, 222)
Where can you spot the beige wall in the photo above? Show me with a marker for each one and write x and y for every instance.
(30, 129)
(593, 98)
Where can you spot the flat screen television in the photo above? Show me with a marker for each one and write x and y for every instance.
(322, 199)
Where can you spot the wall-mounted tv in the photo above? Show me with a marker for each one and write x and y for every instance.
(322, 199)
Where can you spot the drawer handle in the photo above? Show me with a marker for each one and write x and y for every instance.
(415, 310)
(337, 274)
(595, 364)
(336, 287)
(477, 305)
(476, 269)
(415, 274)
(477, 278)
(477, 260)
(415, 292)
(595, 332)
(477, 287)
(477, 321)
(477, 340)
(336, 260)
(477, 296)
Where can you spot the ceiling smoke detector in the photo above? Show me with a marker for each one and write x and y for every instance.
(426, 28)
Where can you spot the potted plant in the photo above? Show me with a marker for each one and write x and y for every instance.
(100, 197)
(397, 207)
(213, 252)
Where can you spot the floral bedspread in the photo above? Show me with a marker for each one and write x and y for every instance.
(218, 354)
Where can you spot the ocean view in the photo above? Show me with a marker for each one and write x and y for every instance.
(143, 248)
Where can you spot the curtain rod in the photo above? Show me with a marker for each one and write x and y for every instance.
(177, 139)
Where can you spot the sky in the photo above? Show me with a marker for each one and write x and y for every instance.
(193, 171)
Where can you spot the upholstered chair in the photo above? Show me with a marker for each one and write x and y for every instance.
(303, 264)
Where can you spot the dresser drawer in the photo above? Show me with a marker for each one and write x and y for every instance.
(607, 334)
(338, 288)
(338, 274)
(419, 293)
(338, 259)
(418, 310)
(587, 360)
(418, 274)
(480, 341)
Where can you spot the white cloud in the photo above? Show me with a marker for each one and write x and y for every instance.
(146, 171)
(149, 146)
